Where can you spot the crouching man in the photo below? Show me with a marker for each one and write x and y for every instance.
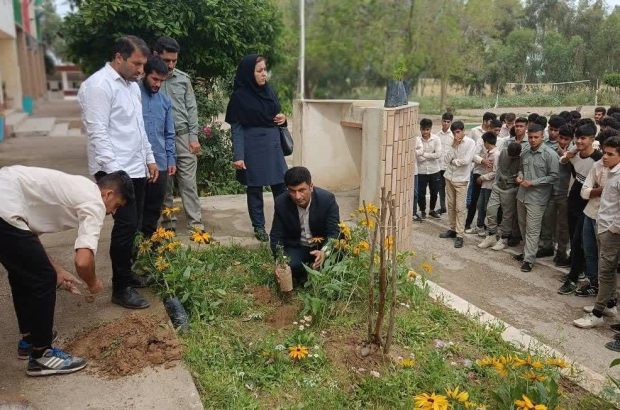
(37, 201)
(304, 218)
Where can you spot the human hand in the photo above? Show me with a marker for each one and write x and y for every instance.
(239, 164)
(153, 172)
(194, 147)
(66, 281)
(518, 180)
(570, 154)
(319, 258)
(479, 180)
(172, 170)
(97, 287)
(279, 119)
(526, 184)
(487, 163)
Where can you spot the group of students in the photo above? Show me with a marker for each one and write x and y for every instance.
(552, 183)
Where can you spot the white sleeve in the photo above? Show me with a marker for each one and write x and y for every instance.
(90, 221)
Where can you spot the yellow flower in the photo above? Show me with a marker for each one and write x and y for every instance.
(500, 368)
(431, 401)
(474, 405)
(485, 361)
(461, 396)
(427, 267)
(342, 245)
(161, 264)
(144, 247)
(527, 404)
(298, 352)
(557, 362)
(363, 245)
(370, 208)
(370, 223)
(533, 376)
(411, 275)
(389, 242)
(407, 362)
(528, 361)
(317, 239)
(170, 211)
(200, 237)
(172, 246)
(345, 230)
(162, 234)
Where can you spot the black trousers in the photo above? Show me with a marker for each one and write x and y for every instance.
(255, 203)
(126, 222)
(298, 255)
(473, 204)
(442, 190)
(433, 181)
(154, 194)
(33, 282)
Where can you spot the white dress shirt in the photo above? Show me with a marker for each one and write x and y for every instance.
(476, 133)
(45, 200)
(304, 222)
(597, 177)
(488, 176)
(446, 139)
(608, 218)
(112, 118)
(428, 155)
(459, 160)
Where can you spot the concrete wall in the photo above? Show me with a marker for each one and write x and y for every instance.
(10, 73)
(7, 19)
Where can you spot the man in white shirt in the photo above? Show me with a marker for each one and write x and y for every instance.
(476, 133)
(446, 138)
(428, 153)
(458, 158)
(608, 234)
(37, 201)
(111, 105)
(508, 121)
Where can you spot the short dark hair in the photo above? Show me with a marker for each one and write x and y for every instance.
(612, 142)
(426, 123)
(556, 121)
(535, 127)
(510, 116)
(606, 133)
(168, 44)
(575, 114)
(600, 109)
(119, 182)
(566, 115)
(296, 176)
(488, 116)
(521, 120)
(126, 45)
(155, 63)
(457, 125)
(514, 149)
(566, 131)
(447, 116)
(585, 130)
(585, 121)
(542, 120)
(613, 109)
(615, 116)
(496, 124)
(532, 117)
(608, 121)
(489, 138)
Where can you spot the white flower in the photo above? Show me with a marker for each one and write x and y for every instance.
(295, 323)
(308, 319)
(280, 347)
(301, 327)
(315, 347)
(375, 373)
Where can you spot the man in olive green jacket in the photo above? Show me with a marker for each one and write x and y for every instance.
(178, 87)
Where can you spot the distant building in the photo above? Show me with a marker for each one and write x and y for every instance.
(66, 80)
(22, 66)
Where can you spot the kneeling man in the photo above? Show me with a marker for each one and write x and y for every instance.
(37, 201)
(304, 219)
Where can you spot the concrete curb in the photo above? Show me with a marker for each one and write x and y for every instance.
(583, 376)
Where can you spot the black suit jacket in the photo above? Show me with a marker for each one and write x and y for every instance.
(324, 218)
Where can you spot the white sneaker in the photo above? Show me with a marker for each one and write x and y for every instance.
(471, 230)
(489, 241)
(589, 321)
(501, 244)
(610, 312)
(482, 232)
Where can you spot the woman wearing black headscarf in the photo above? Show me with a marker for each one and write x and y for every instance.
(254, 117)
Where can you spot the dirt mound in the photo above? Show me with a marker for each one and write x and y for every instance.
(128, 345)
(286, 310)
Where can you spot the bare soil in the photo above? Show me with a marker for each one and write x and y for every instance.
(128, 345)
(285, 311)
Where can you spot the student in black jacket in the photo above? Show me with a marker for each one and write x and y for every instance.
(304, 219)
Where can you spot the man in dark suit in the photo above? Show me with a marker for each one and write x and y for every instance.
(304, 218)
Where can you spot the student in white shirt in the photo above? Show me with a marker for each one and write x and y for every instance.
(111, 104)
(446, 138)
(428, 153)
(36, 201)
(458, 158)
(490, 155)
(508, 121)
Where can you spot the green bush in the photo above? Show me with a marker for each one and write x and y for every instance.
(612, 79)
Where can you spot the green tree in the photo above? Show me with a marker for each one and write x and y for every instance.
(51, 25)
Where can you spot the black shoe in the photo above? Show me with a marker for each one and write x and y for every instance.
(543, 253)
(526, 267)
(423, 215)
(458, 242)
(54, 361)
(513, 241)
(417, 218)
(567, 288)
(518, 258)
(586, 291)
(434, 214)
(613, 345)
(261, 234)
(448, 234)
(615, 327)
(129, 298)
(443, 211)
(141, 281)
(562, 261)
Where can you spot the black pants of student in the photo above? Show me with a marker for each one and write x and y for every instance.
(433, 181)
(578, 258)
(442, 190)
(126, 223)
(255, 203)
(473, 203)
(154, 194)
(33, 282)
(298, 256)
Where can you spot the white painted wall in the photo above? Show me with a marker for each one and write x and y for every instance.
(7, 19)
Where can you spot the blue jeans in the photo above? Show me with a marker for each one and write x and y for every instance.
(483, 201)
(590, 249)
